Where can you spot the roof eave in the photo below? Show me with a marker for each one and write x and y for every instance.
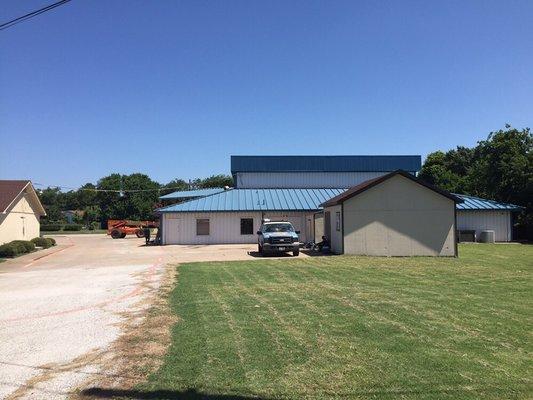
(341, 198)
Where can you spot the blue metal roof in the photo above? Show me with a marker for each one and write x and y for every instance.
(258, 200)
(324, 163)
(295, 200)
(476, 203)
(184, 194)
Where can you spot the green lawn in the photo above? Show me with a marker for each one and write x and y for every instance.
(356, 327)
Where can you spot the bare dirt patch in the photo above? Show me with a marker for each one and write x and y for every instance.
(139, 351)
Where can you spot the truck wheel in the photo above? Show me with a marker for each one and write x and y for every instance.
(123, 235)
(140, 233)
(295, 253)
(116, 234)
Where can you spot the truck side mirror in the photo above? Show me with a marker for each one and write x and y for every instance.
(297, 232)
(259, 232)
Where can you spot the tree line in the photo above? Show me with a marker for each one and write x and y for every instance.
(499, 168)
(117, 196)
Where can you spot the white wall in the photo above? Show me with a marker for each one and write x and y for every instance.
(497, 221)
(399, 217)
(21, 222)
(264, 180)
(225, 227)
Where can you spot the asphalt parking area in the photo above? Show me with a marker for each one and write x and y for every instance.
(62, 307)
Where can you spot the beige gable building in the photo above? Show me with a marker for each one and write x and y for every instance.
(394, 215)
(20, 210)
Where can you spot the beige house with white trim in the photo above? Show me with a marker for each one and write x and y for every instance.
(20, 210)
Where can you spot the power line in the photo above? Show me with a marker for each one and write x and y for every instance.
(32, 14)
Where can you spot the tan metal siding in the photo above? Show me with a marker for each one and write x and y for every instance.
(282, 180)
(399, 218)
(225, 227)
(335, 236)
(497, 221)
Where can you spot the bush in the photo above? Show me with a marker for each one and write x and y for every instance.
(16, 247)
(72, 227)
(52, 240)
(9, 250)
(25, 245)
(43, 242)
(50, 227)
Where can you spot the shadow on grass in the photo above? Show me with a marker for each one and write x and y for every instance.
(256, 254)
(102, 393)
(192, 394)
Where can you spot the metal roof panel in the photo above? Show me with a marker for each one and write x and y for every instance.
(184, 194)
(296, 200)
(411, 163)
(476, 203)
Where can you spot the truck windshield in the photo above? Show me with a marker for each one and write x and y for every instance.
(279, 228)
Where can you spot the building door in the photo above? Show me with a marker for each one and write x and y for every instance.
(172, 229)
(308, 228)
(327, 224)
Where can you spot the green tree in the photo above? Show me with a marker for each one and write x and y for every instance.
(86, 196)
(215, 181)
(127, 196)
(53, 202)
(142, 195)
(174, 186)
(504, 166)
(438, 172)
(499, 168)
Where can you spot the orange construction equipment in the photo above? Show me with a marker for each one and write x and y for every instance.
(119, 228)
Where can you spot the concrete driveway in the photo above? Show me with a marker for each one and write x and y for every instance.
(62, 307)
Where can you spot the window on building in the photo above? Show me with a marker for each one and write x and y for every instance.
(338, 220)
(202, 226)
(247, 226)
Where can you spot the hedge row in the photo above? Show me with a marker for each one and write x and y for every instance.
(19, 247)
(72, 227)
(43, 242)
(58, 227)
(16, 247)
(50, 227)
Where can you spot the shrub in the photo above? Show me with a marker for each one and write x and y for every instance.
(25, 245)
(52, 240)
(43, 242)
(9, 250)
(50, 227)
(72, 227)
(16, 247)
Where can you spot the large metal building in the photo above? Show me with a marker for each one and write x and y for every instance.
(292, 188)
(315, 171)
(276, 187)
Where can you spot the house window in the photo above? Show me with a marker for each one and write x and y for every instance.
(247, 226)
(338, 220)
(202, 226)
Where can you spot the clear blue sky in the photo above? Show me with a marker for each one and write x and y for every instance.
(173, 88)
